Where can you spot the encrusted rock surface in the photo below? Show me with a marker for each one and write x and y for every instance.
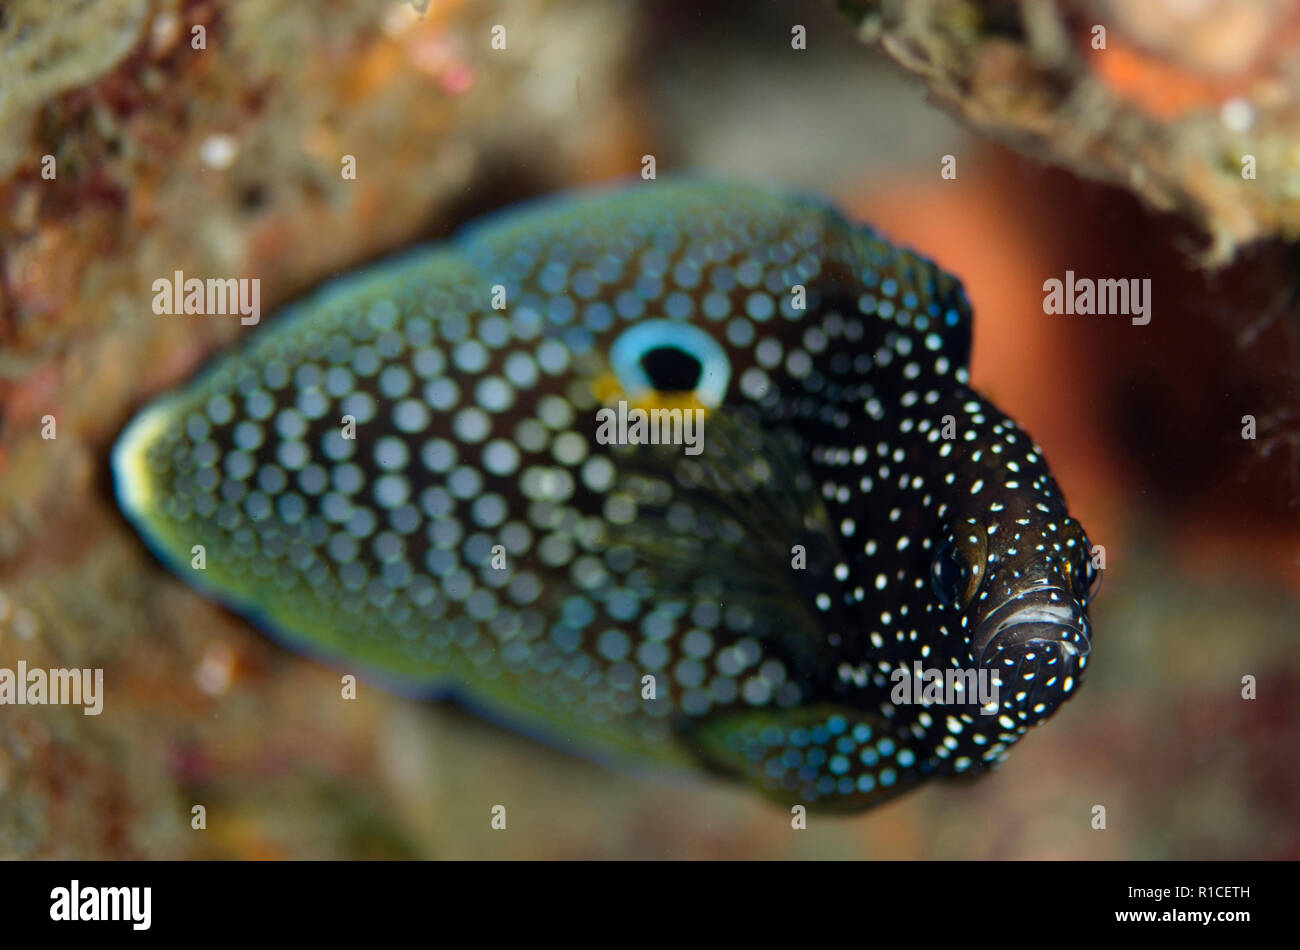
(1177, 105)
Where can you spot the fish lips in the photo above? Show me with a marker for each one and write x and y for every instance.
(1038, 644)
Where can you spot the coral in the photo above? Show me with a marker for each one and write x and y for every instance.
(1195, 107)
(49, 48)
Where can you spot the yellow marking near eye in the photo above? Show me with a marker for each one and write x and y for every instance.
(609, 391)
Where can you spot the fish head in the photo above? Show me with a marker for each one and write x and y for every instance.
(1020, 581)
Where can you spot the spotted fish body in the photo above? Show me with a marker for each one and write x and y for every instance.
(856, 509)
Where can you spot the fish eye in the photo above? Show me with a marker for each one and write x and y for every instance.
(1092, 578)
(948, 572)
(1086, 577)
(958, 566)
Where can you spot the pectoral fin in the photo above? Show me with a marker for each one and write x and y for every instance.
(826, 756)
(723, 525)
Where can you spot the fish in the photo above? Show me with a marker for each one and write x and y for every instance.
(864, 577)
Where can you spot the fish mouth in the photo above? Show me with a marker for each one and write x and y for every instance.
(1037, 643)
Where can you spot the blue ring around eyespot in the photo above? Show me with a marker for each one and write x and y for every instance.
(715, 369)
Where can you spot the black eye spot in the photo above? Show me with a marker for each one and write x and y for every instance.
(670, 369)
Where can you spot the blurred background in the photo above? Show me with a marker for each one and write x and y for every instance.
(1123, 161)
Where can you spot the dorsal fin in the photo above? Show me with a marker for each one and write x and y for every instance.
(900, 287)
(914, 294)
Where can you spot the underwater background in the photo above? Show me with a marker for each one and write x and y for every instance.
(225, 160)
